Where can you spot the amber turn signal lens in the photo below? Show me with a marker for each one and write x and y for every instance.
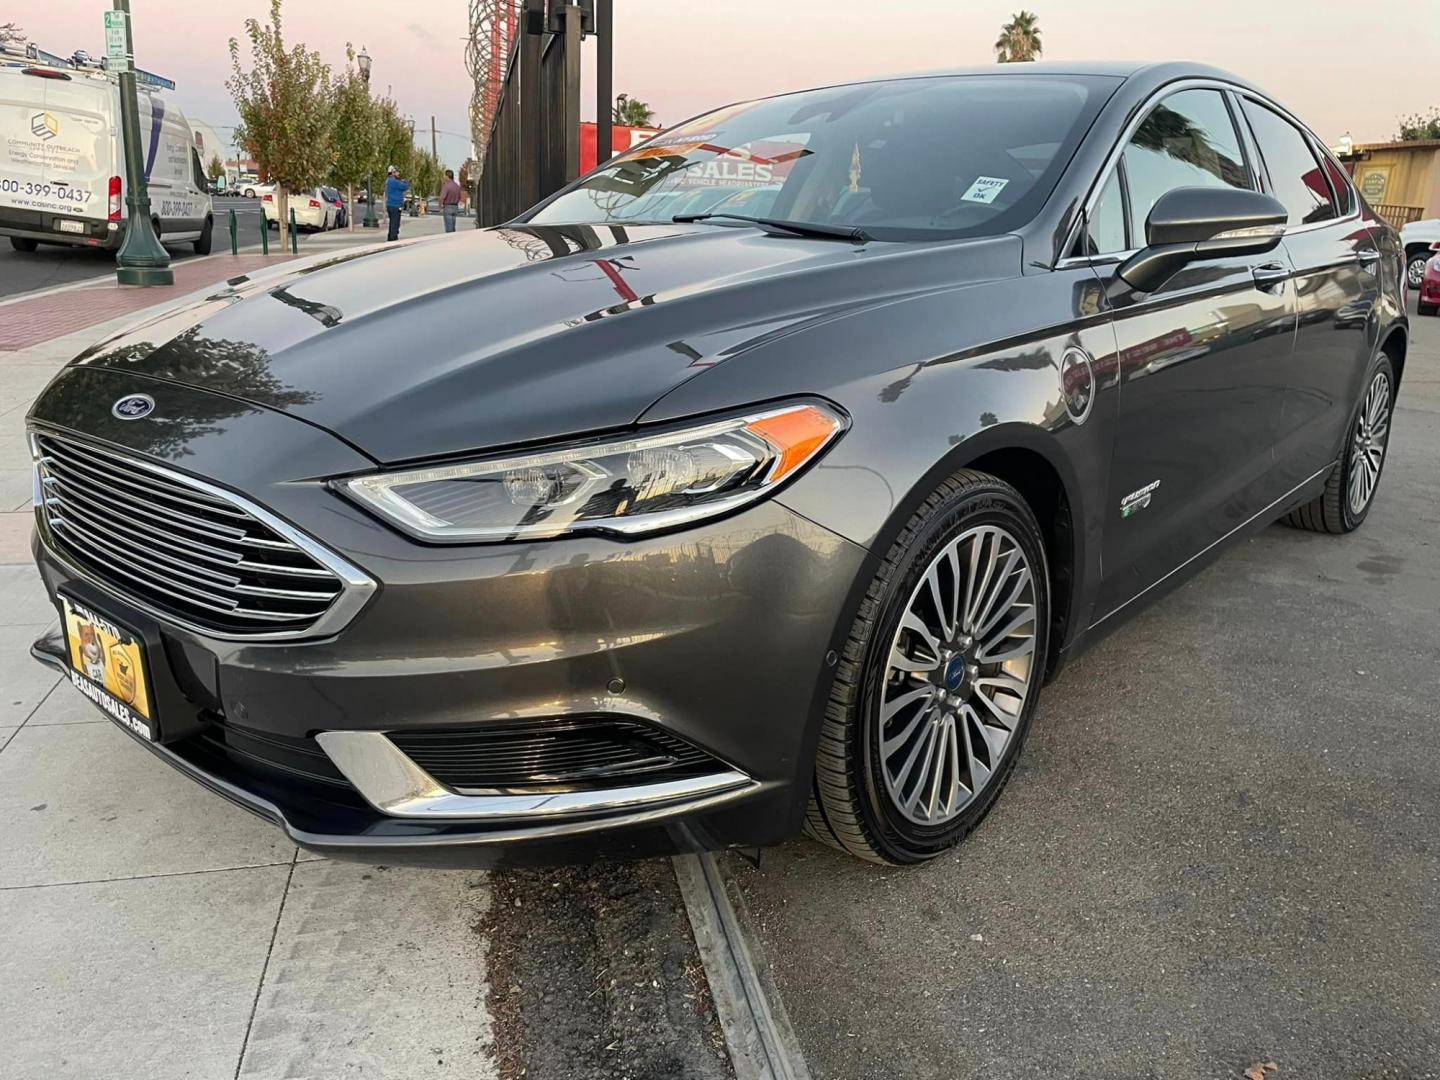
(797, 435)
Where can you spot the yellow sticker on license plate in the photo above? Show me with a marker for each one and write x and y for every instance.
(107, 666)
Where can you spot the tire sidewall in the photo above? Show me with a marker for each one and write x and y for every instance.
(1352, 519)
(904, 841)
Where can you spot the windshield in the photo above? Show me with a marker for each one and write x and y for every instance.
(968, 155)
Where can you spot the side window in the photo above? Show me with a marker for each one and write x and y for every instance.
(1105, 228)
(1340, 184)
(199, 170)
(1188, 140)
(1298, 180)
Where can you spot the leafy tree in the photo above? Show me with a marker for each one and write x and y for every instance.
(1019, 39)
(632, 112)
(216, 168)
(425, 174)
(284, 106)
(1417, 128)
(356, 126)
(394, 142)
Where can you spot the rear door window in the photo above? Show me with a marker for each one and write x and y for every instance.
(1295, 174)
(1188, 140)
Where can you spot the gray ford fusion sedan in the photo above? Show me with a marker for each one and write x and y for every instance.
(755, 481)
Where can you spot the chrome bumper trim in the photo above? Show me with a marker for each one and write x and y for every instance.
(394, 785)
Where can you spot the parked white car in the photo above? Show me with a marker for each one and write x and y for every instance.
(312, 210)
(253, 189)
(1417, 238)
(62, 162)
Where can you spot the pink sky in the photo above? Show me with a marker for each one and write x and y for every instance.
(1339, 65)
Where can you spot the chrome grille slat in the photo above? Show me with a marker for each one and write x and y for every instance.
(123, 504)
(179, 548)
(149, 490)
(74, 498)
(191, 595)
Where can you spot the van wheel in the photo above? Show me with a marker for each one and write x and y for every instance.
(20, 243)
(202, 246)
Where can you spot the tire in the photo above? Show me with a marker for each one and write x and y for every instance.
(1335, 510)
(1415, 266)
(1427, 309)
(207, 236)
(22, 243)
(249, 193)
(860, 801)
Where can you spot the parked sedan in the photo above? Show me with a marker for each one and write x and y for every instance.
(622, 530)
(312, 211)
(339, 213)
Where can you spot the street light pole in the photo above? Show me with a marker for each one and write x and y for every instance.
(141, 260)
(371, 221)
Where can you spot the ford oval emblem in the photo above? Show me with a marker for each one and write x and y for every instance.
(133, 407)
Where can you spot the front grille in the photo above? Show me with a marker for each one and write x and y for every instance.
(177, 548)
(554, 754)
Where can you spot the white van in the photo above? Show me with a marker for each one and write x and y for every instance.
(62, 163)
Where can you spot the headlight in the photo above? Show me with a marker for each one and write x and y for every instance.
(628, 486)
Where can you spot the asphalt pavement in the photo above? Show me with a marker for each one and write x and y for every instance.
(1219, 851)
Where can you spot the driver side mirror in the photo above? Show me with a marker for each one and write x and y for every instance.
(1193, 223)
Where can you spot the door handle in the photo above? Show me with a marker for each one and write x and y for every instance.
(1270, 277)
(1368, 258)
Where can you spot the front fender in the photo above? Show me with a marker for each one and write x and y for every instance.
(933, 383)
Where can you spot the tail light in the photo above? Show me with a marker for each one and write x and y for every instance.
(314, 205)
(114, 206)
(269, 198)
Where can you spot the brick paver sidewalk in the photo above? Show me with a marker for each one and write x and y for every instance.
(28, 322)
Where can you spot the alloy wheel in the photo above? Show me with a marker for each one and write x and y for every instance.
(1367, 452)
(958, 676)
(1415, 272)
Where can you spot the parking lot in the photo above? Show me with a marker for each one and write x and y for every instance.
(1218, 851)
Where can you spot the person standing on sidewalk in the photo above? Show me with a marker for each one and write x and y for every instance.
(450, 199)
(395, 190)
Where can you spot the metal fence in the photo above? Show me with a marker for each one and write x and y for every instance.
(534, 147)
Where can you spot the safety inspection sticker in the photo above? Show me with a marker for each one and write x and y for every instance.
(984, 189)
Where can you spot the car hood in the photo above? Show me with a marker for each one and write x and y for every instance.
(502, 336)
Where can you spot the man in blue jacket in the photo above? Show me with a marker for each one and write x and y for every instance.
(395, 190)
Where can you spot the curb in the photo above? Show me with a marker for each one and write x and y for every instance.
(757, 1030)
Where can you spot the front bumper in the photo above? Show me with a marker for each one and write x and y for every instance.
(719, 635)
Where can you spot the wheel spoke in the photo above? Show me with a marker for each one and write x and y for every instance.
(982, 586)
(909, 664)
(889, 746)
(916, 626)
(991, 610)
(979, 770)
(1020, 616)
(895, 704)
(932, 579)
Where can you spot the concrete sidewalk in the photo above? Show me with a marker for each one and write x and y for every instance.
(35, 318)
(148, 928)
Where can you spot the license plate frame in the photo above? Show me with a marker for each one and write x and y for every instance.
(71, 226)
(107, 662)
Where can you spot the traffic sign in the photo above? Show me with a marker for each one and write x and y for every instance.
(117, 40)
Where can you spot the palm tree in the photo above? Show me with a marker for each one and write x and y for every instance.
(1019, 39)
(632, 112)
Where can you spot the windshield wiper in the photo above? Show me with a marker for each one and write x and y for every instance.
(852, 233)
